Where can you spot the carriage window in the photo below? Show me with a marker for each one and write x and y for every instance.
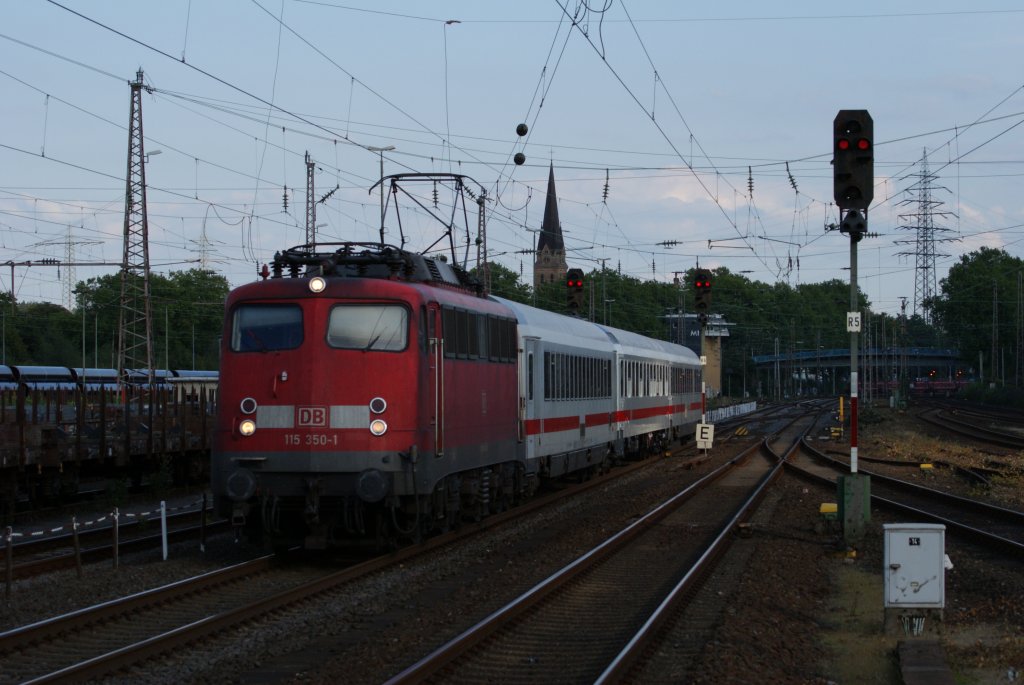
(265, 327)
(368, 327)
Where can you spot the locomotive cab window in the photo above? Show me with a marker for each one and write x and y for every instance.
(368, 327)
(265, 327)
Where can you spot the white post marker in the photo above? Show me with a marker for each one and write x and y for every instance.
(163, 526)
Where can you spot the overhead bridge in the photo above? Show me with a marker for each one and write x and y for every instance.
(828, 370)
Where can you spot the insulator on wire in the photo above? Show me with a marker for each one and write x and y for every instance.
(792, 181)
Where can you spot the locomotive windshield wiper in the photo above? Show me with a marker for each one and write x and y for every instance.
(373, 342)
(260, 345)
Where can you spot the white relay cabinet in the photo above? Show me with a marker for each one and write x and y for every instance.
(915, 573)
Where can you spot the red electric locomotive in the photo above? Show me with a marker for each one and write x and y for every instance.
(369, 393)
(345, 405)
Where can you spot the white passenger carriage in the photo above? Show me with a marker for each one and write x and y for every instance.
(589, 393)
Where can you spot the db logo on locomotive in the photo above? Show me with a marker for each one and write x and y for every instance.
(312, 416)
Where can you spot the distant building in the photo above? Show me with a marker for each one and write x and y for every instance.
(686, 330)
(549, 261)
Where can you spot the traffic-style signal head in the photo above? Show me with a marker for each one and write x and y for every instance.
(574, 289)
(853, 159)
(702, 290)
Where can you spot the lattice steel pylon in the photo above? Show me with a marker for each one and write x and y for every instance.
(135, 334)
(310, 203)
(922, 222)
(69, 272)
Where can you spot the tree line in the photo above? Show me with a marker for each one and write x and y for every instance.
(187, 312)
(979, 310)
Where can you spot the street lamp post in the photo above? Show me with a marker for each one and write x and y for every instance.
(381, 151)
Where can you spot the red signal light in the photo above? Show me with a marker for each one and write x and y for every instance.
(863, 144)
(843, 144)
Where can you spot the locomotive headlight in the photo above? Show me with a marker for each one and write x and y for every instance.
(317, 284)
(247, 427)
(378, 427)
(378, 405)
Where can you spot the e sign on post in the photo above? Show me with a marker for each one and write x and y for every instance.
(705, 435)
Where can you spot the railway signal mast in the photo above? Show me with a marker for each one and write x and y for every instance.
(702, 303)
(853, 189)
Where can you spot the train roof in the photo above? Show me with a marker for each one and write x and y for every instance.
(140, 375)
(95, 375)
(7, 381)
(369, 260)
(193, 374)
(570, 330)
(43, 373)
(640, 343)
(45, 377)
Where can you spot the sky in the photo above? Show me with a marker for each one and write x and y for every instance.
(681, 134)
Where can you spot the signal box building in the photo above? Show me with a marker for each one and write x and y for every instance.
(715, 334)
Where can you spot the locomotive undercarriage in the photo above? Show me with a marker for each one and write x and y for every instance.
(317, 520)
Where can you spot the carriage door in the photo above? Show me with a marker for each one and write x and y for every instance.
(435, 351)
(531, 391)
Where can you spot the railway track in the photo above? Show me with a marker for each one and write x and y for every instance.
(595, 618)
(955, 422)
(985, 523)
(120, 634)
(63, 547)
(39, 653)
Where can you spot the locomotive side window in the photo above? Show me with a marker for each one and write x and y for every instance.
(493, 338)
(468, 335)
(265, 327)
(368, 327)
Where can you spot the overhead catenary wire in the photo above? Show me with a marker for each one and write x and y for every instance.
(618, 167)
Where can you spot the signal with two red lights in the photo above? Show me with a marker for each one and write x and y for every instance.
(702, 291)
(574, 289)
(853, 160)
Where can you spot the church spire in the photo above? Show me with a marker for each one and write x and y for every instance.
(549, 264)
(551, 228)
